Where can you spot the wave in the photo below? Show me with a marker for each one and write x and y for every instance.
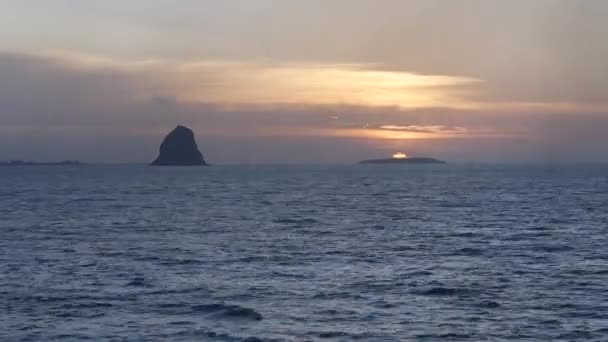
(489, 304)
(228, 311)
(331, 334)
(554, 248)
(139, 282)
(468, 251)
(447, 336)
(444, 291)
(300, 222)
(197, 289)
(228, 337)
(90, 199)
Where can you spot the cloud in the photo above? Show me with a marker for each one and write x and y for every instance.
(267, 83)
(97, 109)
(542, 55)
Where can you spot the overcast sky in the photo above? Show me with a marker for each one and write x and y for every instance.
(290, 81)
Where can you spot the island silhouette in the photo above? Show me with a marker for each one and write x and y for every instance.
(34, 163)
(179, 148)
(402, 158)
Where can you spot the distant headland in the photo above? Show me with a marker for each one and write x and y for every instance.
(179, 149)
(402, 158)
(31, 163)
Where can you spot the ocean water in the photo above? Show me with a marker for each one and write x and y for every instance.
(304, 253)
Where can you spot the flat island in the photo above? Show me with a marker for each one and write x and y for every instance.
(402, 158)
(32, 163)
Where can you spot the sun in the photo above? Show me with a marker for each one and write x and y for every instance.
(399, 155)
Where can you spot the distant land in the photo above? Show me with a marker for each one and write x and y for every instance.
(31, 163)
(402, 158)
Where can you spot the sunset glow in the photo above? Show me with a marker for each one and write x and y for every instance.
(251, 83)
(302, 170)
(410, 74)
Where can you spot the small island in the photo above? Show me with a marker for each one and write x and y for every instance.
(179, 149)
(32, 163)
(402, 158)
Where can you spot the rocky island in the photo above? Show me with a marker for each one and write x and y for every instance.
(402, 158)
(179, 149)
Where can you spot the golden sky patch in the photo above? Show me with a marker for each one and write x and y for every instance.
(322, 84)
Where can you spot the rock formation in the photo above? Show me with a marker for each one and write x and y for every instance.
(179, 148)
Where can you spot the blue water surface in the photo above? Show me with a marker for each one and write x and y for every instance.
(304, 253)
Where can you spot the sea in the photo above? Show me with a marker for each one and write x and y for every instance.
(304, 253)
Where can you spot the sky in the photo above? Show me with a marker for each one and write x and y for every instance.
(315, 81)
